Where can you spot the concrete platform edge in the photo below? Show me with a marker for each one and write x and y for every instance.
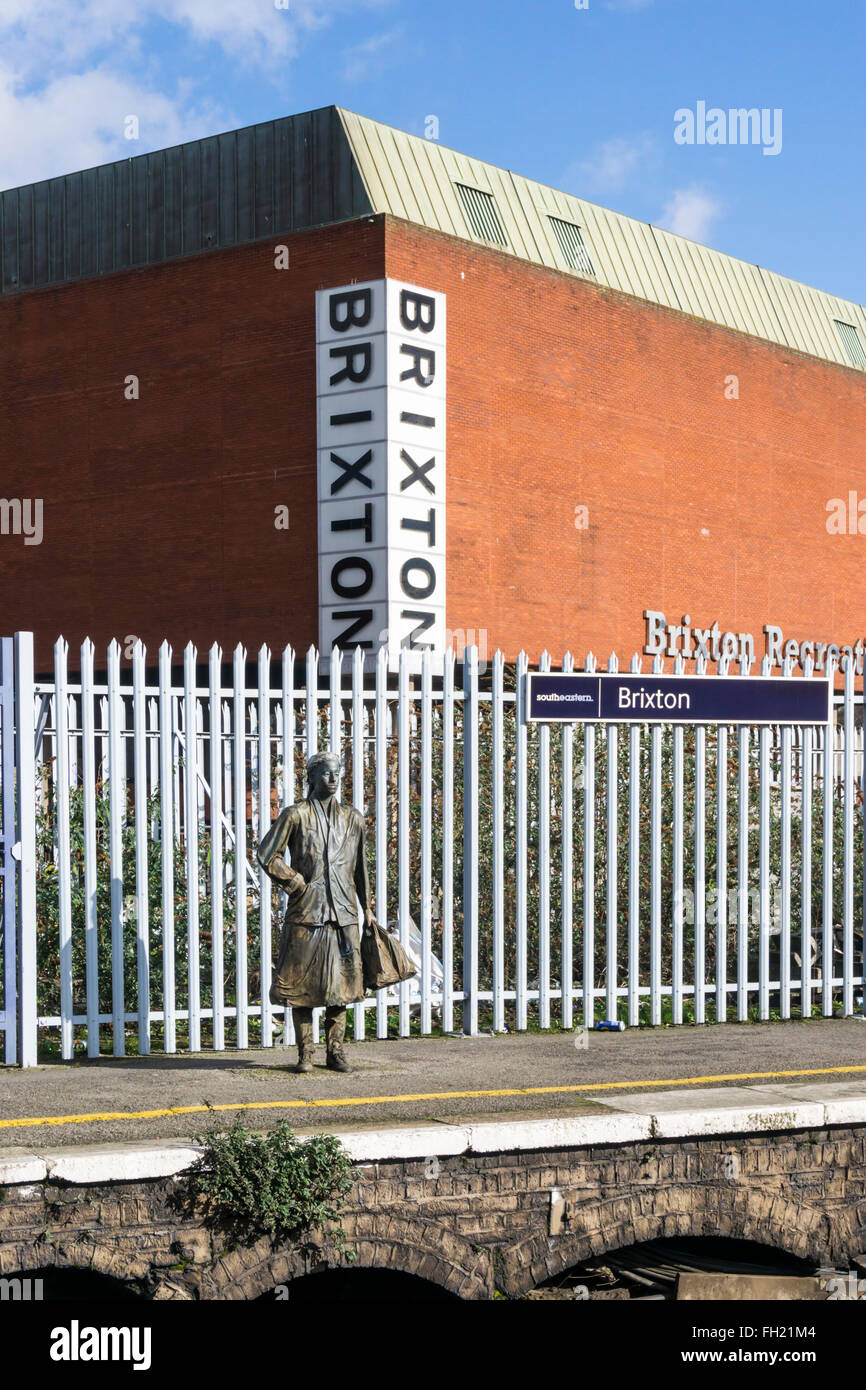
(140, 1160)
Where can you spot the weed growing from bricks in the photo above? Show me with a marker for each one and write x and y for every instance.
(274, 1183)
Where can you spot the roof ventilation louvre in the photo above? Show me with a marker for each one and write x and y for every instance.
(481, 214)
(854, 349)
(571, 245)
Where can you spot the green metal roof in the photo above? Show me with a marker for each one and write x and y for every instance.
(414, 178)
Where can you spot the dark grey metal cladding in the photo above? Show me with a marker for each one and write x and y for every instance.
(277, 177)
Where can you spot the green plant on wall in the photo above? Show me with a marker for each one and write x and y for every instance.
(274, 1184)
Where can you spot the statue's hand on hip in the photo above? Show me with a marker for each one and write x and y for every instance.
(296, 885)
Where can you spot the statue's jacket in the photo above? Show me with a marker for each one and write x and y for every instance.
(319, 860)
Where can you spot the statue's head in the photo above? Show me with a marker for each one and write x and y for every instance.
(323, 775)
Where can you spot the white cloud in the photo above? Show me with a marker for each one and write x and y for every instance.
(613, 165)
(77, 121)
(51, 32)
(71, 73)
(368, 60)
(691, 212)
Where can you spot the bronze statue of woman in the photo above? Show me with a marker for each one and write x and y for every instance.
(315, 851)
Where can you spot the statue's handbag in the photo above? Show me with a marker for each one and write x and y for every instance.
(383, 960)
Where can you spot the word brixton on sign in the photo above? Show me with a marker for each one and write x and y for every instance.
(633, 699)
(380, 372)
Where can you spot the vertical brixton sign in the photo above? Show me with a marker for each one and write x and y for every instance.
(380, 374)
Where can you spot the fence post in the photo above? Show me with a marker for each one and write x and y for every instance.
(403, 753)
(166, 835)
(567, 894)
(543, 785)
(828, 808)
(239, 754)
(634, 886)
(656, 867)
(520, 844)
(191, 850)
(589, 864)
(265, 889)
(611, 971)
(848, 844)
(806, 774)
(470, 840)
(426, 838)
(498, 865)
(786, 874)
(9, 923)
(26, 846)
(743, 756)
(116, 792)
(722, 864)
(381, 762)
(142, 887)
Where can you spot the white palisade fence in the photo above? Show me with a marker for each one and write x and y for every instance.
(541, 874)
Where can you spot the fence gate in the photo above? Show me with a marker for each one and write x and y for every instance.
(17, 852)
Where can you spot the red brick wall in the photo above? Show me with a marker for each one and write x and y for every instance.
(159, 513)
(561, 393)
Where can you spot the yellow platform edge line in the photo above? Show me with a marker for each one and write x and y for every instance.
(32, 1121)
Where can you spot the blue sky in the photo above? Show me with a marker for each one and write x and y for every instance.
(583, 99)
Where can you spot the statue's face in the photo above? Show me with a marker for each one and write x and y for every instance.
(325, 779)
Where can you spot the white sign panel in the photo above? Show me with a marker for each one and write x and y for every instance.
(380, 381)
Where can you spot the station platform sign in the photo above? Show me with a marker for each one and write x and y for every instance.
(565, 697)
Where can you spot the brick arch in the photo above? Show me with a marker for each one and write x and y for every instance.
(116, 1263)
(382, 1241)
(669, 1211)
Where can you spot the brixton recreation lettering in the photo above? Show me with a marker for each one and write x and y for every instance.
(691, 642)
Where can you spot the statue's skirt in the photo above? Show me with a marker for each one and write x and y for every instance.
(318, 966)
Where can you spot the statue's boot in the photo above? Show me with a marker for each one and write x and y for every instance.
(335, 1033)
(304, 1036)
